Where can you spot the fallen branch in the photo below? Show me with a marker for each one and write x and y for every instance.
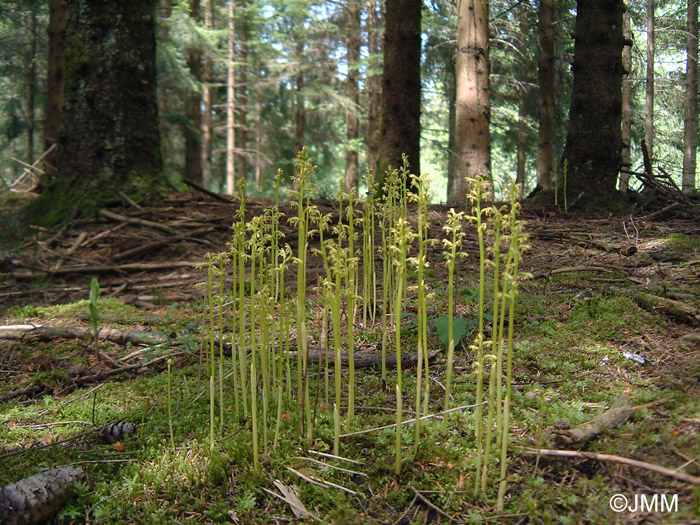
(367, 360)
(617, 414)
(406, 422)
(47, 333)
(132, 220)
(157, 244)
(112, 268)
(569, 269)
(594, 456)
(211, 194)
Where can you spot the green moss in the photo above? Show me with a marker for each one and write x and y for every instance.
(683, 243)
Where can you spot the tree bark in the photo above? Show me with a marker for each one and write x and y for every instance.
(242, 98)
(520, 174)
(207, 124)
(231, 102)
(31, 88)
(110, 141)
(626, 99)
(300, 117)
(472, 119)
(451, 82)
(690, 129)
(374, 84)
(651, 51)
(193, 127)
(594, 140)
(401, 87)
(545, 145)
(258, 143)
(353, 94)
(54, 81)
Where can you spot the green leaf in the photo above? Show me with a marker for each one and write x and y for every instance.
(94, 296)
(94, 291)
(459, 328)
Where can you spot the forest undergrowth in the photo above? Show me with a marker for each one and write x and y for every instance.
(209, 394)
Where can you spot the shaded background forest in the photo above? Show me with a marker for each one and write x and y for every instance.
(291, 82)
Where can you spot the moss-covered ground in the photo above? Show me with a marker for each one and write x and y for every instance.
(580, 343)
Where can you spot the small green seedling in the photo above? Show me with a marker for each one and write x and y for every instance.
(94, 313)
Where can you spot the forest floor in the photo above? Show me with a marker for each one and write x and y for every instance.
(612, 307)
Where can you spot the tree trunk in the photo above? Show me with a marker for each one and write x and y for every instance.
(522, 109)
(110, 140)
(401, 87)
(626, 100)
(472, 119)
(242, 98)
(691, 100)
(207, 124)
(353, 94)
(452, 116)
(545, 145)
(54, 81)
(193, 127)
(258, 143)
(164, 11)
(594, 139)
(300, 118)
(31, 88)
(374, 84)
(651, 51)
(231, 102)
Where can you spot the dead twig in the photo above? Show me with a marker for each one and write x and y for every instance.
(132, 220)
(594, 456)
(432, 505)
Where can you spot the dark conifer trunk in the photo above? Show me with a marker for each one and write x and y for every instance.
(401, 87)
(110, 140)
(594, 139)
(374, 85)
(54, 81)
(545, 145)
(353, 94)
(242, 98)
(193, 127)
(31, 88)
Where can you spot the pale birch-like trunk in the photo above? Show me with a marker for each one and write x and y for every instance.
(691, 100)
(472, 111)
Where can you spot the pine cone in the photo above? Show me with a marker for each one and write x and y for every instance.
(117, 431)
(38, 497)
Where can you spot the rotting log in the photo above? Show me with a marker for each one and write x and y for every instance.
(617, 414)
(682, 311)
